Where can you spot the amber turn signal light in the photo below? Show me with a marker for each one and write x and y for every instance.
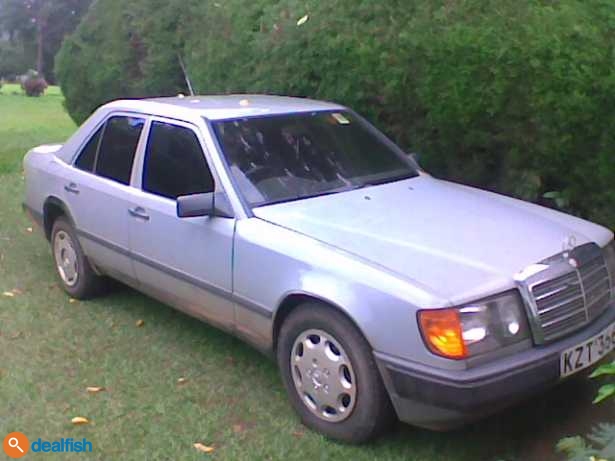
(441, 329)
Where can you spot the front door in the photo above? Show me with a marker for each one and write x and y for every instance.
(186, 261)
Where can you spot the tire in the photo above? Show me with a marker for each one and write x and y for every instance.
(356, 417)
(76, 275)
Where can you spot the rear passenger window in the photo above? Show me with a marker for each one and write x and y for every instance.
(117, 148)
(87, 157)
(174, 162)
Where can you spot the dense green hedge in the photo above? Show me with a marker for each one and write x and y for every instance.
(514, 96)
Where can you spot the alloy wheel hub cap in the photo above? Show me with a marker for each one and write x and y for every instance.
(66, 258)
(323, 375)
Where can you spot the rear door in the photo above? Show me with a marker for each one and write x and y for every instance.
(187, 261)
(98, 193)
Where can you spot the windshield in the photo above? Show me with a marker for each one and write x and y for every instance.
(293, 156)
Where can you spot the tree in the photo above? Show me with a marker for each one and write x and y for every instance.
(40, 26)
(517, 97)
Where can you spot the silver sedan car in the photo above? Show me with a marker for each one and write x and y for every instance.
(294, 224)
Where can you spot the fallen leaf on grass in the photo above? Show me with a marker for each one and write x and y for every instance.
(303, 20)
(298, 434)
(79, 420)
(203, 448)
(12, 293)
(182, 380)
(95, 389)
(29, 229)
(140, 323)
(238, 428)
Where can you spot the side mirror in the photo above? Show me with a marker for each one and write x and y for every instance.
(207, 204)
(194, 205)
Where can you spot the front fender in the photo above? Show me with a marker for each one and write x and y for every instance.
(272, 263)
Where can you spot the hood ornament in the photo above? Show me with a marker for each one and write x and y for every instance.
(568, 245)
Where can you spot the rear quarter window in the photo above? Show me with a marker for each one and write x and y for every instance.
(87, 157)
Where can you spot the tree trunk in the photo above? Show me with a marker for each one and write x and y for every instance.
(39, 52)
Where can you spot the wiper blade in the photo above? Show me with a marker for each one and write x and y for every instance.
(341, 189)
(336, 190)
(377, 182)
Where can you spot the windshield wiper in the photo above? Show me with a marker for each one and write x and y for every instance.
(350, 187)
(345, 188)
(388, 179)
(336, 190)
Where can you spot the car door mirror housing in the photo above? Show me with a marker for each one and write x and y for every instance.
(194, 205)
(206, 204)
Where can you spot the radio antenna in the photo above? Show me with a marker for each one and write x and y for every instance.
(186, 76)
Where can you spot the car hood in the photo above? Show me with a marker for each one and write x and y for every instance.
(461, 242)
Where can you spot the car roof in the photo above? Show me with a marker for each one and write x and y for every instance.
(222, 107)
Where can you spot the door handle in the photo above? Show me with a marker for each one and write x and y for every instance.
(138, 212)
(72, 188)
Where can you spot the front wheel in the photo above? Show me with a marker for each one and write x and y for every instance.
(331, 376)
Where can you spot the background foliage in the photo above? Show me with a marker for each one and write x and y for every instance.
(31, 32)
(599, 445)
(512, 96)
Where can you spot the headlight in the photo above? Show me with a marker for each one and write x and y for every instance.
(609, 253)
(475, 328)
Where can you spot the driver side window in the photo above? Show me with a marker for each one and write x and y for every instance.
(174, 162)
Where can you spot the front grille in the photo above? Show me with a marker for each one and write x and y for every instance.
(569, 301)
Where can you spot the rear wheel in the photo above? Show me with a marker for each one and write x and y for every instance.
(76, 275)
(331, 376)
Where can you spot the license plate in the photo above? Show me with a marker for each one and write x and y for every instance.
(587, 353)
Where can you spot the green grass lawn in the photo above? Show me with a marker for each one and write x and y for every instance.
(51, 349)
(26, 122)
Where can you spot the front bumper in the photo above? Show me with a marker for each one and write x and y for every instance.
(444, 399)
